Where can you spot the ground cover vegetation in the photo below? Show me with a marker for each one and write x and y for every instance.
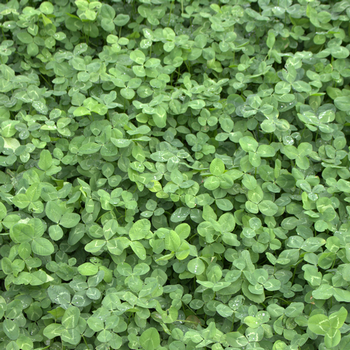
(174, 174)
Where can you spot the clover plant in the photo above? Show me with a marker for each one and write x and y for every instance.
(174, 174)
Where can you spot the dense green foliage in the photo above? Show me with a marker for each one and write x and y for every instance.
(174, 174)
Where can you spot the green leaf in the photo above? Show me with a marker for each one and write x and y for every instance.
(24, 37)
(163, 154)
(138, 249)
(24, 250)
(342, 103)
(150, 339)
(209, 213)
(266, 151)
(120, 143)
(11, 329)
(45, 161)
(69, 220)
(176, 177)
(332, 338)
(53, 330)
(71, 336)
(257, 298)
(54, 211)
(236, 339)
(46, 7)
(21, 233)
(301, 86)
(294, 309)
(196, 104)
(81, 111)
(341, 295)
(137, 56)
(212, 183)
(196, 266)
(183, 251)
(248, 144)
(55, 232)
(89, 148)
(70, 318)
(291, 152)
(172, 241)
(127, 93)
(323, 292)
(217, 167)
(21, 200)
(224, 204)
(104, 336)
(268, 208)
(25, 343)
(319, 324)
(337, 319)
(121, 20)
(59, 295)
(227, 222)
(224, 310)
(95, 246)
(88, 269)
(249, 182)
(42, 246)
(180, 214)
(339, 52)
(251, 321)
(160, 117)
(270, 42)
(140, 229)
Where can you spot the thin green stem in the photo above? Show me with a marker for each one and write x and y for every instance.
(272, 296)
(46, 347)
(192, 237)
(171, 10)
(187, 321)
(188, 67)
(333, 264)
(46, 81)
(178, 72)
(87, 345)
(296, 266)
